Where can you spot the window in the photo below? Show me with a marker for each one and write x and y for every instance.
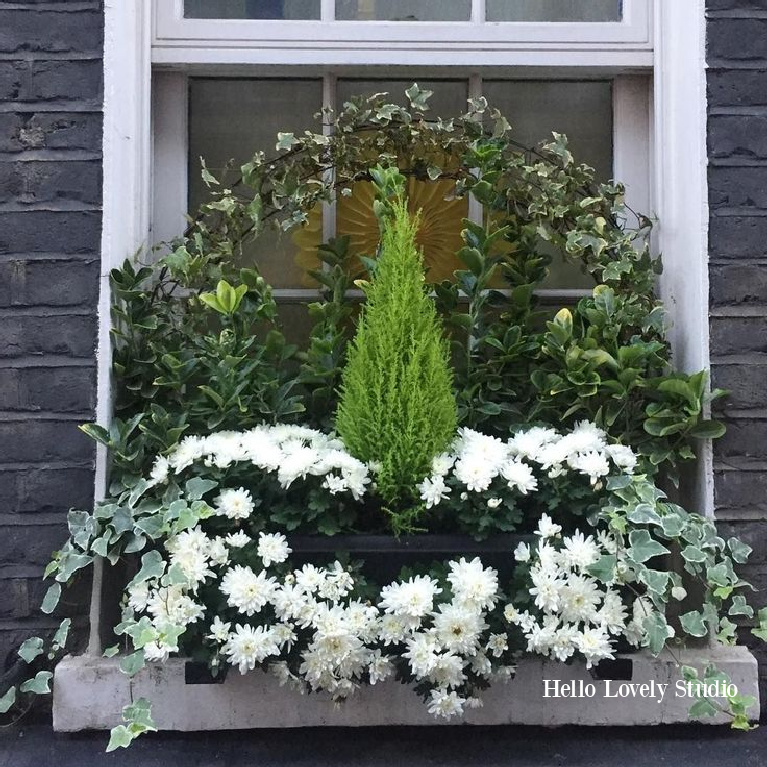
(229, 74)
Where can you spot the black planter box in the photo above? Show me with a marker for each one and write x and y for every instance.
(386, 555)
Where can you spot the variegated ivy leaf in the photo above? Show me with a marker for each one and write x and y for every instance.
(39, 684)
(30, 649)
(51, 598)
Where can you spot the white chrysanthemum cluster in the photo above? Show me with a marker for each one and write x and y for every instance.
(291, 452)
(449, 636)
(476, 460)
(576, 613)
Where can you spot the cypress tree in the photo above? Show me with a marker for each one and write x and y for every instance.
(397, 406)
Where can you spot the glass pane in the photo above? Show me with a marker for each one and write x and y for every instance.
(439, 233)
(251, 9)
(404, 10)
(232, 119)
(580, 110)
(554, 10)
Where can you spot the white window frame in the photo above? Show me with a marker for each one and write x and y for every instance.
(670, 48)
(267, 41)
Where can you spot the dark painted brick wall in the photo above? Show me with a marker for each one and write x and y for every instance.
(737, 177)
(51, 61)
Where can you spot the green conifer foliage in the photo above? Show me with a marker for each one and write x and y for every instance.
(397, 405)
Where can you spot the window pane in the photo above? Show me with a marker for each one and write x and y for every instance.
(404, 10)
(554, 10)
(441, 216)
(580, 110)
(251, 9)
(235, 118)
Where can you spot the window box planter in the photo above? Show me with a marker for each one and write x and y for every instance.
(89, 693)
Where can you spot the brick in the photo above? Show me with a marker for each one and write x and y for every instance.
(739, 39)
(737, 284)
(51, 182)
(31, 544)
(738, 335)
(752, 533)
(737, 137)
(48, 490)
(51, 283)
(51, 31)
(737, 88)
(9, 495)
(745, 438)
(42, 441)
(746, 384)
(742, 188)
(736, 5)
(52, 130)
(43, 231)
(736, 489)
(59, 389)
(738, 237)
(67, 335)
(35, 81)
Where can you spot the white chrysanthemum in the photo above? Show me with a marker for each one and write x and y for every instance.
(586, 437)
(158, 651)
(547, 528)
(380, 667)
(474, 472)
(249, 645)
(593, 464)
(223, 449)
(272, 547)
(519, 476)
(218, 552)
(393, 629)
(545, 589)
(445, 704)
(421, 653)
(413, 598)
(170, 605)
(448, 671)
(309, 578)
(579, 551)
(189, 450)
(441, 464)
(497, 644)
(297, 463)
(527, 444)
(237, 540)
(622, 456)
(291, 603)
(159, 472)
(494, 503)
(246, 591)
(261, 447)
(594, 644)
(138, 596)
(219, 631)
(579, 597)
(612, 614)
(458, 628)
(433, 490)
(474, 584)
(522, 553)
(193, 563)
(335, 484)
(234, 504)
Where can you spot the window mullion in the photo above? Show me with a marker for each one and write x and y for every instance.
(478, 11)
(475, 91)
(327, 10)
(328, 208)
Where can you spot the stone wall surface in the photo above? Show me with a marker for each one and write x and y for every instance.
(51, 74)
(737, 178)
